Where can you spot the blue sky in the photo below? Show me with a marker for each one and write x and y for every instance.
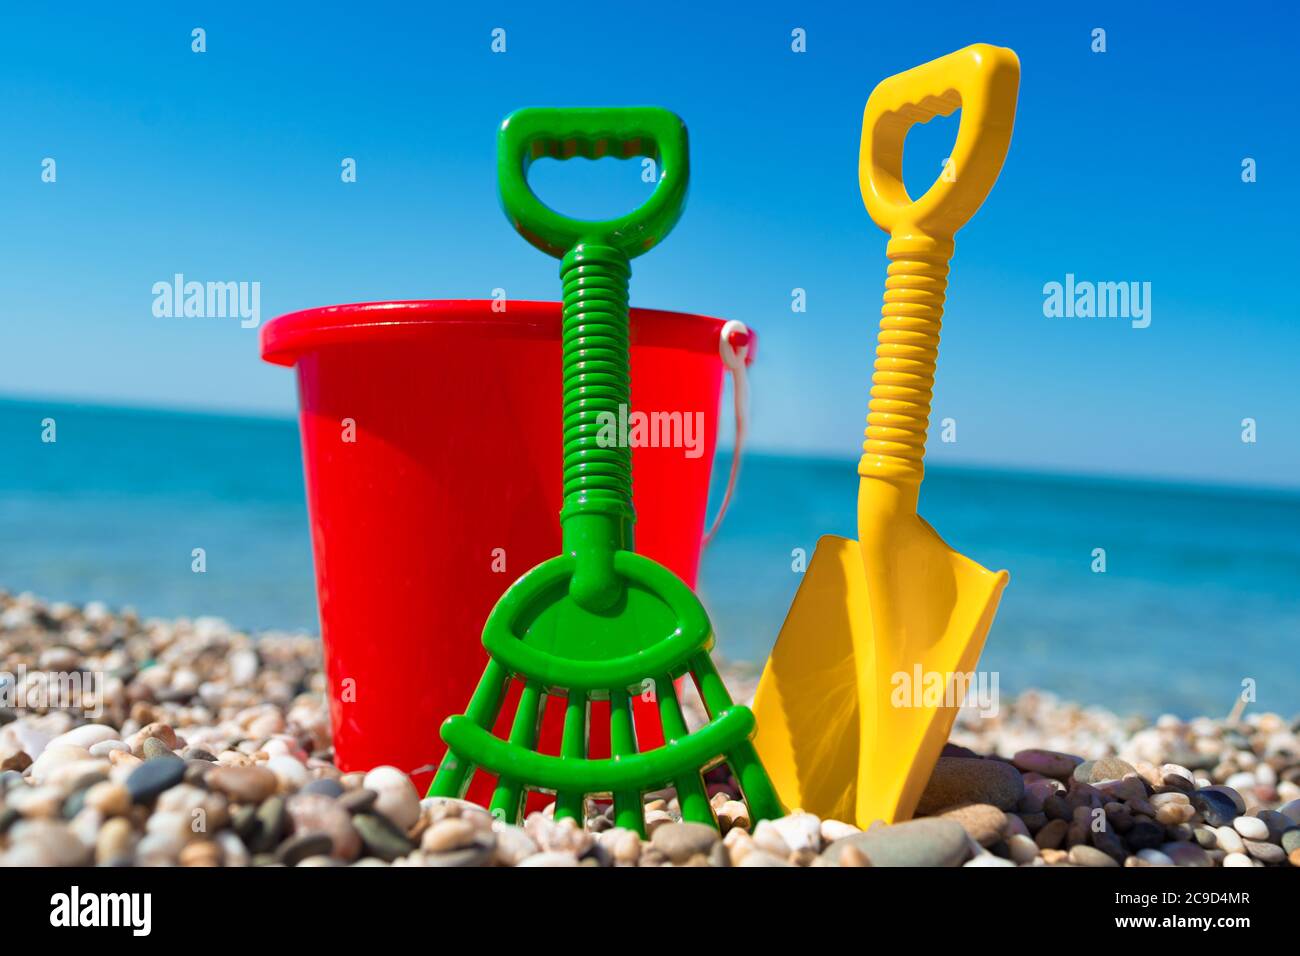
(1125, 166)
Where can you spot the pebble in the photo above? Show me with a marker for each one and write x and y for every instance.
(1186, 854)
(381, 838)
(985, 823)
(680, 841)
(1237, 859)
(1252, 828)
(1265, 852)
(921, 842)
(44, 843)
(960, 780)
(153, 777)
(243, 784)
(551, 858)
(1290, 809)
(1231, 794)
(565, 835)
(1215, 808)
(292, 775)
(271, 824)
(1227, 838)
(200, 853)
(396, 797)
(303, 845)
(514, 845)
(316, 812)
(478, 853)
(1083, 855)
(1153, 857)
(1107, 768)
(88, 736)
(113, 845)
(762, 858)
(1052, 835)
(800, 831)
(1022, 848)
(987, 860)
(1049, 763)
(110, 799)
(833, 830)
(154, 748)
(325, 786)
(358, 801)
(450, 833)
(52, 758)
(733, 813)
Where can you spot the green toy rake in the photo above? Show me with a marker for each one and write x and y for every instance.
(599, 621)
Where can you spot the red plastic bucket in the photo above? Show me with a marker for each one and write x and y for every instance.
(431, 443)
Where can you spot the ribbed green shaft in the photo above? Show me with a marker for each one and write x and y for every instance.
(597, 471)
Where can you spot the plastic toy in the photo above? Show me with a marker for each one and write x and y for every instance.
(897, 601)
(598, 622)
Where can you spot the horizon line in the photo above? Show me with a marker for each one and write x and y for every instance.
(827, 457)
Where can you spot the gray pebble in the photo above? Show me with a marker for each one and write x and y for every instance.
(154, 748)
(381, 837)
(154, 776)
(358, 801)
(298, 848)
(1214, 807)
(326, 787)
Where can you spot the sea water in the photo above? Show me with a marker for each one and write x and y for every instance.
(1200, 589)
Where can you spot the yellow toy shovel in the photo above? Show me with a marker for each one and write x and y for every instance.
(843, 727)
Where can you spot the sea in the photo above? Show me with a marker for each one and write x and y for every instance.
(1143, 597)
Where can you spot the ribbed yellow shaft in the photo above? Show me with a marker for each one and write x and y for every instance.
(906, 350)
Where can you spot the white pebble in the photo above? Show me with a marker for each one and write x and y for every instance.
(988, 859)
(550, 858)
(1154, 858)
(106, 747)
(833, 830)
(52, 758)
(1228, 839)
(294, 776)
(1241, 781)
(85, 736)
(1252, 828)
(397, 797)
(799, 831)
(1237, 859)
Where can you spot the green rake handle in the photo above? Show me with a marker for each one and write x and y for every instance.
(622, 132)
(599, 567)
(595, 267)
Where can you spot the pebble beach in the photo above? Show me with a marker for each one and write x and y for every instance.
(206, 746)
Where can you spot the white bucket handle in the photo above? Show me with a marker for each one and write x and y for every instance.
(733, 357)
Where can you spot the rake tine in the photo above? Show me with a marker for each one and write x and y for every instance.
(628, 810)
(573, 744)
(452, 778)
(755, 785)
(508, 797)
(691, 795)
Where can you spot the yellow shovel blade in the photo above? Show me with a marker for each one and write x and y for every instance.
(842, 729)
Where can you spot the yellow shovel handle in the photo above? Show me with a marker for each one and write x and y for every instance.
(982, 81)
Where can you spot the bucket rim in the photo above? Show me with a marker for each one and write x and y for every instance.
(287, 337)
